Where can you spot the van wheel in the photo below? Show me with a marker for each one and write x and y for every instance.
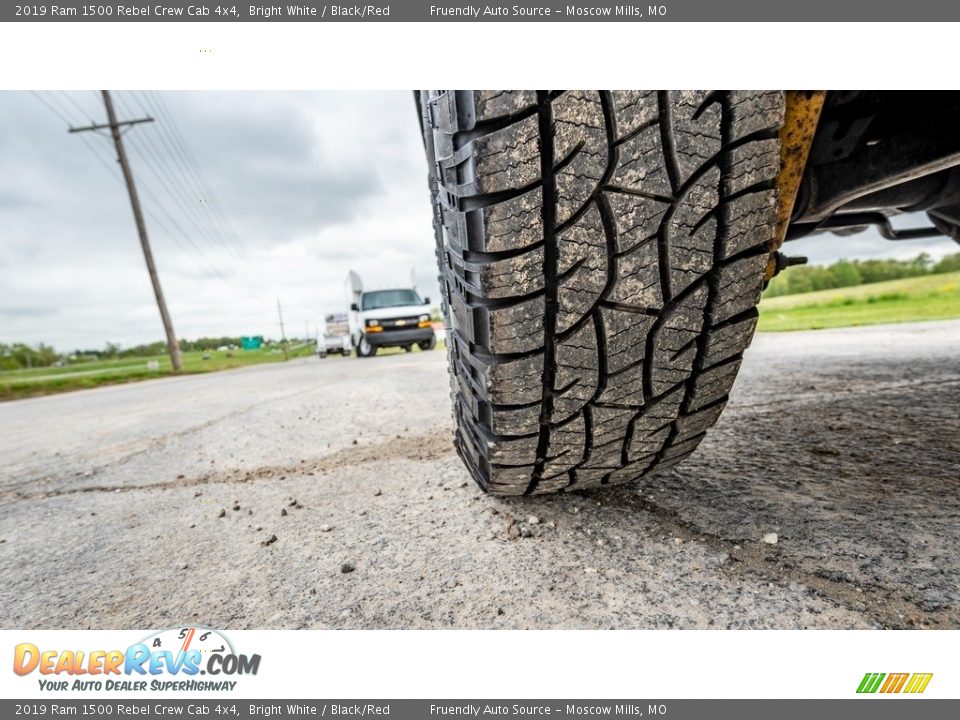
(428, 344)
(601, 255)
(365, 349)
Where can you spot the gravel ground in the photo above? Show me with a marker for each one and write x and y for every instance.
(326, 494)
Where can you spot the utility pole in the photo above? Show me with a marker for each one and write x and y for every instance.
(306, 331)
(173, 346)
(283, 334)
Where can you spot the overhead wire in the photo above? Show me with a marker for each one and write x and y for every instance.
(64, 114)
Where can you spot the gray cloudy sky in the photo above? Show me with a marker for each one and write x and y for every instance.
(312, 184)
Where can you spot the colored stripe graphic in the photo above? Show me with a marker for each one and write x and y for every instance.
(918, 682)
(894, 683)
(870, 682)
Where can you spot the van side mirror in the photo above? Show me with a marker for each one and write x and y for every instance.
(426, 301)
(354, 307)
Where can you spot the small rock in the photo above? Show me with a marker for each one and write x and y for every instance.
(377, 492)
(770, 538)
(525, 531)
(822, 450)
(533, 520)
(362, 513)
(354, 441)
(313, 591)
(451, 583)
(269, 541)
(499, 611)
(347, 567)
(292, 503)
(574, 510)
(185, 567)
(325, 528)
(236, 508)
(678, 541)
(283, 512)
(222, 513)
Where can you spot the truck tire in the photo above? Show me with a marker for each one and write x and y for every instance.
(364, 348)
(601, 255)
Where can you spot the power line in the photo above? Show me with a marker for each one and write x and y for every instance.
(63, 114)
(176, 155)
(50, 107)
(162, 165)
(170, 184)
(89, 116)
(194, 167)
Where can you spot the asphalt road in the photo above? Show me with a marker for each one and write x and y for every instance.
(235, 499)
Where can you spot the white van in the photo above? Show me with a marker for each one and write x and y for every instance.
(390, 318)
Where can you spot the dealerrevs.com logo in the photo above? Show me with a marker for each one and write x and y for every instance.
(911, 683)
(168, 660)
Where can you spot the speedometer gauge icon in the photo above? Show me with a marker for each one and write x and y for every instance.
(183, 639)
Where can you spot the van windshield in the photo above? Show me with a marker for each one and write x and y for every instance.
(389, 298)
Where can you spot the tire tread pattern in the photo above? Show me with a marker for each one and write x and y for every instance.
(601, 255)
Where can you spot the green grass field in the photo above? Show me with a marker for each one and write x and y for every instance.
(16, 384)
(930, 297)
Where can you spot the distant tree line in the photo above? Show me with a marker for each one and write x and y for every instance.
(847, 273)
(20, 356)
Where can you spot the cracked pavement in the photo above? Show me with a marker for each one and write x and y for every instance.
(150, 504)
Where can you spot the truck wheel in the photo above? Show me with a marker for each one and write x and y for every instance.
(365, 349)
(601, 255)
(428, 344)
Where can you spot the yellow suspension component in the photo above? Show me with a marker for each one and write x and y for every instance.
(802, 114)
